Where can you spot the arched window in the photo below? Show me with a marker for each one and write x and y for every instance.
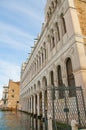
(45, 55)
(48, 15)
(52, 78)
(52, 6)
(70, 77)
(50, 12)
(35, 66)
(42, 57)
(59, 76)
(60, 83)
(39, 61)
(52, 40)
(57, 31)
(63, 25)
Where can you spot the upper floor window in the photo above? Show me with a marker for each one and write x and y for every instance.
(52, 39)
(63, 25)
(57, 32)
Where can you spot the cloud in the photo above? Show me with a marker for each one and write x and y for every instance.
(15, 37)
(15, 30)
(22, 8)
(8, 71)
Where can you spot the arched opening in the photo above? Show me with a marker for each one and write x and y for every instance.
(52, 6)
(63, 24)
(39, 85)
(70, 77)
(50, 12)
(60, 82)
(57, 30)
(52, 78)
(52, 40)
(34, 87)
(40, 97)
(36, 103)
(45, 93)
(45, 51)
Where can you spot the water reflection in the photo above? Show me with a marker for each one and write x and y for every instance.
(19, 121)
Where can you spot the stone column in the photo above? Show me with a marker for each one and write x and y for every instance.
(38, 104)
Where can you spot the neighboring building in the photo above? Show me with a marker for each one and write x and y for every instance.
(1, 103)
(58, 57)
(5, 96)
(13, 95)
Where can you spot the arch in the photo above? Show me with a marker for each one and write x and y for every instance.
(48, 15)
(34, 87)
(44, 82)
(52, 77)
(52, 44)
(55, 3)
(52, 6)
(57, 30)
(31, 89)
(45, 51)
(60, 82)
(63, 24)
(39, 85)
(70, 77)
(50, 11)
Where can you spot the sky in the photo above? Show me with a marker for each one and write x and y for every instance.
(20, 23)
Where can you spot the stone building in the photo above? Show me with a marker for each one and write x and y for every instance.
(58, 56)
(5, 96)
(13, 95)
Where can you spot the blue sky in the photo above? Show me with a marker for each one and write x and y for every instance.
(20, 23)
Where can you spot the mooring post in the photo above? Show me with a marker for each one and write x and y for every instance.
(74, 125)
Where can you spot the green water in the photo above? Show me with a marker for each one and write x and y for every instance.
(19, 121)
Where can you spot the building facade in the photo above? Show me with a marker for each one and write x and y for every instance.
(5, 96)
(13, 95)
(58, 56)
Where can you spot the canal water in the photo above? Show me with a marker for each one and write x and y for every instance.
(19, 121)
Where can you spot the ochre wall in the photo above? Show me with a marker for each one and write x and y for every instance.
(81, 8)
